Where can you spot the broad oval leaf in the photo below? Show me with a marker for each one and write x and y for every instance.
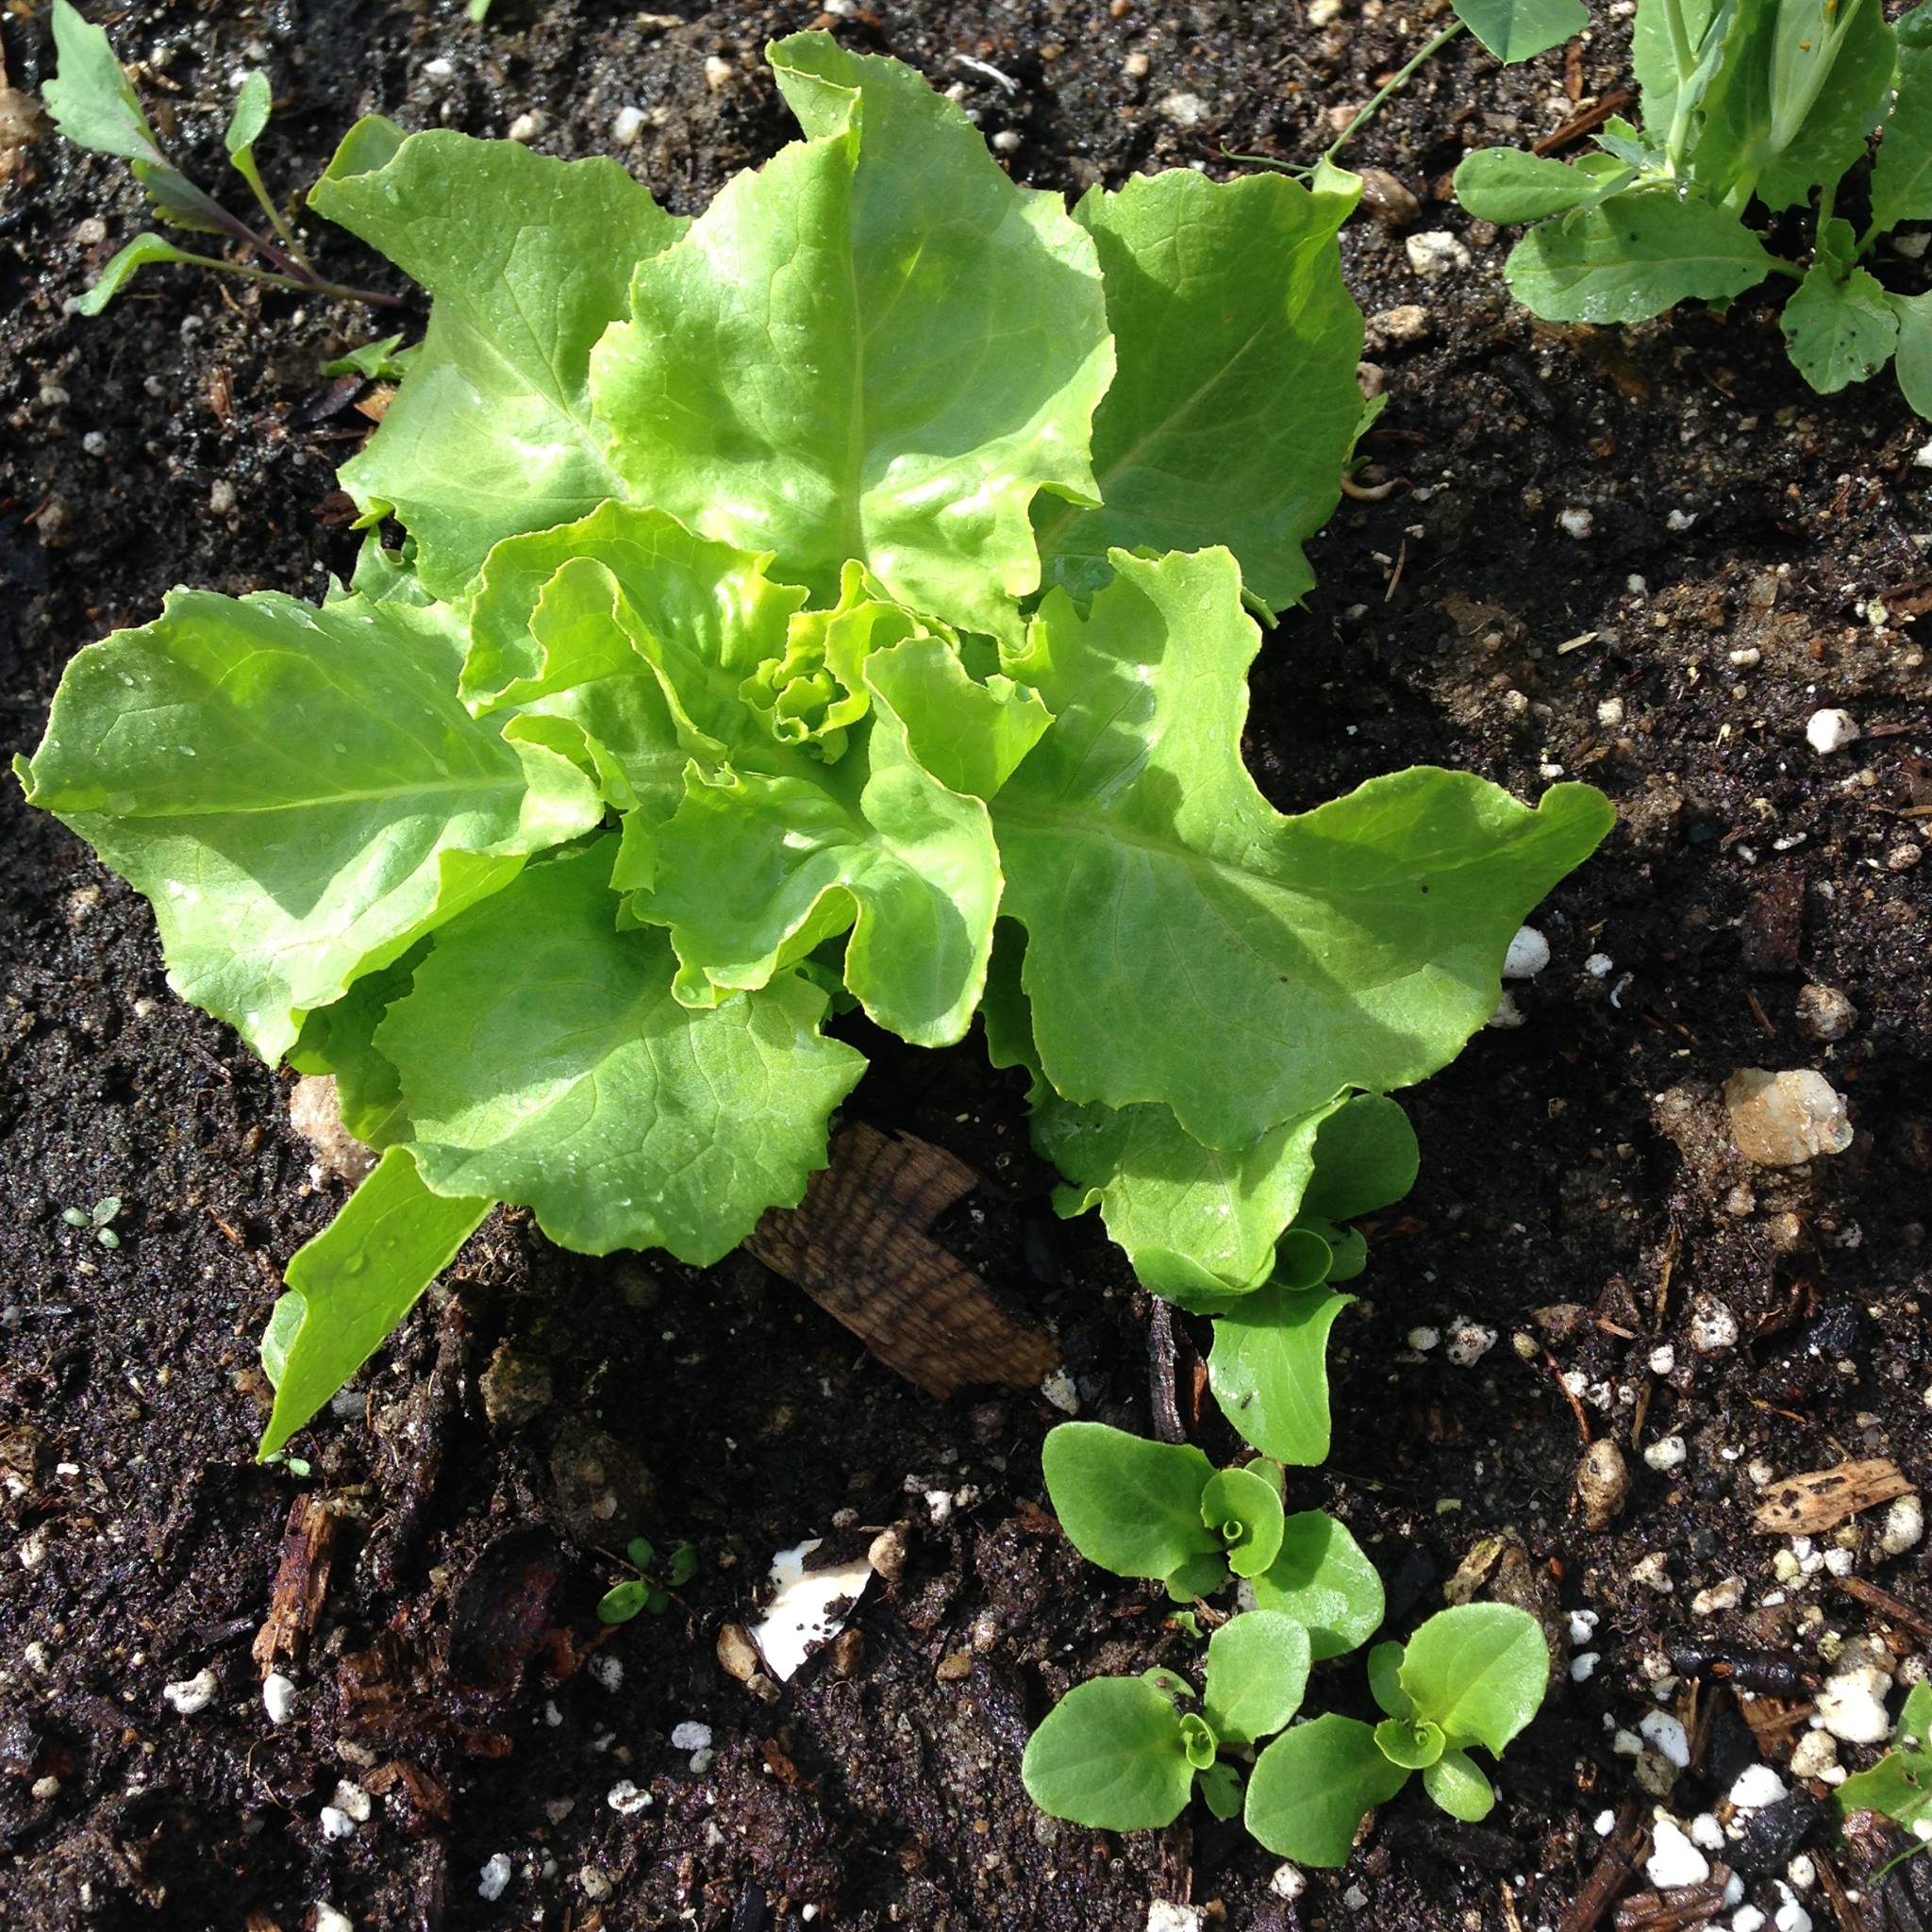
(298, 791)
(874, 347)
(529, 259)
(1312, 1789)
(1110, 1756)
(1190, 945)
(1322, 1581)
(1257, 1669)
(544, 1059)
(1235, 405)
(1244, 1510)
(1269, 1370)
(1131, 1505)
(1516, 30)
(1366, 1157)
(254, 101)
(1456, 1783)
(1633, 258)
(1505, 184)
(353, 1283)
(1840, 328)
(1479, 1670)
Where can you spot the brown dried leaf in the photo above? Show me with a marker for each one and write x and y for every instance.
(1823, 1498)
(301, 1582)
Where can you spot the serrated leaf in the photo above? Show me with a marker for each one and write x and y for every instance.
(543, 1060)
(1902, 175)
(1269, 1370)
(1131, 1505)
(1516, 30)
(296, 791)
(1188, 945)
(1634, 257)
(1110, 1756)
(1257, 1669)
(1456, 1783)
(254, 101)
(1313, 1786)
(1840, 328)
(354, 1282)
(529, 259)
(90, 97)
(874, 347)
(1322, 1581)
(1479, 1670)
(1503, 184)
(121, 268)
(1235, 405)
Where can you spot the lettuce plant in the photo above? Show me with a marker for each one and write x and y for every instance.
(1120, 1754)
(1472, 1676)
(850, 591)
(1745, 107)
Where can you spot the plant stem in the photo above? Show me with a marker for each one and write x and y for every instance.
(244, 166)
(1395, 82)
(1685, 59)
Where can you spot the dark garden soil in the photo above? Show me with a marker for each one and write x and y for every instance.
(1586, 532)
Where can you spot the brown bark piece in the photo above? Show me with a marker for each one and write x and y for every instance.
(857, 1244)
(1823, 1498)
(301, 1582)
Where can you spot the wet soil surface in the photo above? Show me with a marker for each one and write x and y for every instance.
(1644, 559)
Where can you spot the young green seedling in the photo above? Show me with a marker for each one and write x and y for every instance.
(94, 107)
(1120, 1754)
(642, 1592)
(1473, 1675)
(1743, 107)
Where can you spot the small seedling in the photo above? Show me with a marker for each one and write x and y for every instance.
(1899, 1785)
(1472, 1675)
(642, 1593)
(1746, 111)
(95, 107)
(99, 1216)
(1123, 1754)
(385, 360)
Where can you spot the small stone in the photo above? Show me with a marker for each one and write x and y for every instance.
(1576, 523)
(1183, 110)
(494, 1878)
(1383, 195)
(1527, 955)
(279, 1697)
(1852, 1705)
(1469, 1341)
(1435, 252)
(1603, 1483)
(191, 1694)
(608, 1670)
(626, 1796)
(1668, 1738)
(1289, 1881)
(1663, 1358)
(43, 1789)
(1583, 1666)
(1007, 141)
(1325, 13)
(626, 125)
(1829, 731)
(1507, 1015)
(1784, 1120)
(328, 1920)
(1135, 66)
(528, 126)
(1745, 657)
(1422, 1340)
(1727, 1595)
(1905, 1524)
(336, 1823)
(1756, 1787)
(438, 69)
(221, 496)
(690, 1735)
(1674, 1860)
(1713, 1327)
(594, 1884)
(1164, 1916)
(887, 1553)
(1653, 1572)
(1824, 1013)
(1666, 1452)
(717, 73)
(1059, 1391)
(1815, 1755)
(736, 1653)
(1407, 321)
(954, 1666)
(515, 1387)
(1904, 857)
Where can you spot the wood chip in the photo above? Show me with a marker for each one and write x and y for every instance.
(1823, 1498)
(301, 1583)
(858, 1246)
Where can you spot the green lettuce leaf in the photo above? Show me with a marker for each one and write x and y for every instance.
(1269, 1370)
(1850, 103)
(1190, 945)
(1516, 30)
(529, 259)
(543, 1060)
(353, 1283)
(1234, 408)
(1902, 175)
(297, 790)
(874, 347)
